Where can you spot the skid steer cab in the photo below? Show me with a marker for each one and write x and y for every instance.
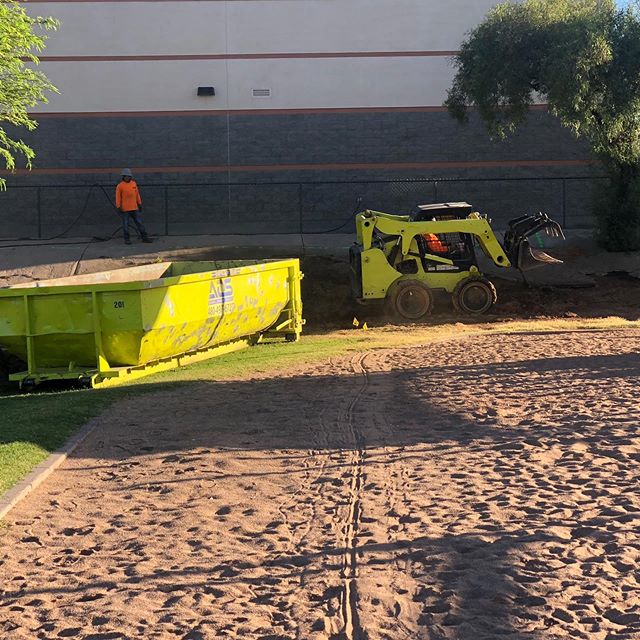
(404, 261)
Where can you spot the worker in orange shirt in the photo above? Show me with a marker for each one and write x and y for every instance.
(129, 204)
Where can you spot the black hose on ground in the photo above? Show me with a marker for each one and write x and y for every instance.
(44, 241)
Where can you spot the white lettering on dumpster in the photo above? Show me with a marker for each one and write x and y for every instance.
(221, 296)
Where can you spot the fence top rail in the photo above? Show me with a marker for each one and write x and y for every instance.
(312, 183)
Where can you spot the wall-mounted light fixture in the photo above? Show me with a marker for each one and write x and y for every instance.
(206, 91)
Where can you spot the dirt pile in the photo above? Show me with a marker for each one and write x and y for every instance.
(328, 302)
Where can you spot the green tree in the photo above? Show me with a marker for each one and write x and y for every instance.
(583, 58)
(21, 86)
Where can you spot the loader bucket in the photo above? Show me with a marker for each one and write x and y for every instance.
(522, 236)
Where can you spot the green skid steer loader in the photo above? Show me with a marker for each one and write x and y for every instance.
(404, 261)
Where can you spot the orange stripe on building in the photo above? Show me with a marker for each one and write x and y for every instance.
(246, 112)
(252, 56)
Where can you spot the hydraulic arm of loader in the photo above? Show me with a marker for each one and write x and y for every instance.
(370, 222)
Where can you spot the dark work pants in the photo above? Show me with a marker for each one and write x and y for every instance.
(135, 216)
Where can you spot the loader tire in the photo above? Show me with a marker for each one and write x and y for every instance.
(474, 295)
(410, 300)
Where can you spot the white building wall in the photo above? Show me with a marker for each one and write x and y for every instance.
(295, 84)
(223, 33)
(135, 28)
(351, 25)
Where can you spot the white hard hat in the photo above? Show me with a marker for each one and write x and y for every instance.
(126, 172)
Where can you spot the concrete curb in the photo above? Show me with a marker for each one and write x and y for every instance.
(40, 473)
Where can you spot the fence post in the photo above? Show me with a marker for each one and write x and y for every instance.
(39, 212)
(435, 191)
(300, 196)
(166, 210)
(564, 203)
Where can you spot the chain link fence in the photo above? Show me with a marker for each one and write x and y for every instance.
(55, 211)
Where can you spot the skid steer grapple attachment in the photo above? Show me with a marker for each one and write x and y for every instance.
(525, 231)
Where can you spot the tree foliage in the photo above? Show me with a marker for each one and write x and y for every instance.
(582, 57)
(21, 86)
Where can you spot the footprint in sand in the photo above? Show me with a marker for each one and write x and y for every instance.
(78, 531)
(69, 632)
(90, 597)
(169, 602)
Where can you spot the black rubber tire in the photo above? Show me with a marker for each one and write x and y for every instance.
(410, 300)
(27, 386)
(9, 364)
(474, 295)
(85, 382)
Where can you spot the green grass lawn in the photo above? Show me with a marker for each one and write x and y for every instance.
(35, 425)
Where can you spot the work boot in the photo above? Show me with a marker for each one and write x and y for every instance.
(146, 239)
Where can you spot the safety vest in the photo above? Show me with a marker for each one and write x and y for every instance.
(127, 196)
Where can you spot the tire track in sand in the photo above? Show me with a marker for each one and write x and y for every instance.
(352, 627)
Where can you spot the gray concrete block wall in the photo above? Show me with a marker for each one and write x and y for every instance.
(391, 137)
(195, 197)
(95, 142)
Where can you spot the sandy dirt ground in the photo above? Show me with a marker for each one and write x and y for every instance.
(477, 489)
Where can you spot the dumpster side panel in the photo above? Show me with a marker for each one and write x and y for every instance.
(12, 320)
(64, 350)
(12, 326)
(252, 303)
(61, 329)
(228, 305)
(120, 326)
(174, 318)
